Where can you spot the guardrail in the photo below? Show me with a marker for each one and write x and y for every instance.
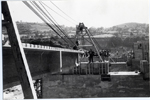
(32, 46)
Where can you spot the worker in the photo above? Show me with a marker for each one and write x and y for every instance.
(77, 43)
(91, 54)
(75, 47)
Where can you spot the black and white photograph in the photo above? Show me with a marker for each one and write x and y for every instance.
(75, 49)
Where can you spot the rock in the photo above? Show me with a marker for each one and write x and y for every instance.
(54, 83)
(98, 86)
(104, 85)
(121, 87)
(58, 82)
(84, 85)
(62, 95)
(121, 91)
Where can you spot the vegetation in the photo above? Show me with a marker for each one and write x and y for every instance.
(124, 34)
(127, 42)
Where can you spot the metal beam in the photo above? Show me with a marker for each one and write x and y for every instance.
(18, 53)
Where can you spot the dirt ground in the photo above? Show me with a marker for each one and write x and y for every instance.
(90, 86)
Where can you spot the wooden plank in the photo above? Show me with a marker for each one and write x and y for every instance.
(18, 53)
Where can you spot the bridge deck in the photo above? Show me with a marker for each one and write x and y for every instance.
(41, 47)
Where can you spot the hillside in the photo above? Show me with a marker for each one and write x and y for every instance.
(125, 34)
(42, 28)
(131, 27)
(125, 30)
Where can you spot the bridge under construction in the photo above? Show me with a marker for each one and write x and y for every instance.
(24, 63)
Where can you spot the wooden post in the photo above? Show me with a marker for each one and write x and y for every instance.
(60, 61)
(99, 68)
(102, 68)
(108, 67)
(19, 55)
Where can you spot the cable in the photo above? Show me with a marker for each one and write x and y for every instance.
(58, 14)
(55, 24)
(28, 5)
(42, 12)
(63, 12)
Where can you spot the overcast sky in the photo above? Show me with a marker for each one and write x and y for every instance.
(93, 13)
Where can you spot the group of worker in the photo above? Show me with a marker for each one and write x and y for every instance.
(90, 54)
(104, 53)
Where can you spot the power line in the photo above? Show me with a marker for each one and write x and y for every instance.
(63, 12)
(58, 13)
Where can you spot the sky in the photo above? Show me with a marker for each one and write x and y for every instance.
(93, 13)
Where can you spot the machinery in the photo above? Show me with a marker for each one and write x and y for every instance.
(81, 32)
(100, 67)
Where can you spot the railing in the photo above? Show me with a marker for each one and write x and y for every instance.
(32, 46)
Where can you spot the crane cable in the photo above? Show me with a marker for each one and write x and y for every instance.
(47, 22)
(63, 12)
(55, 23)
(58, 14)
(44, 14)
(28, 5)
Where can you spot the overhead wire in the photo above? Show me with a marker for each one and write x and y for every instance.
(63, 12)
